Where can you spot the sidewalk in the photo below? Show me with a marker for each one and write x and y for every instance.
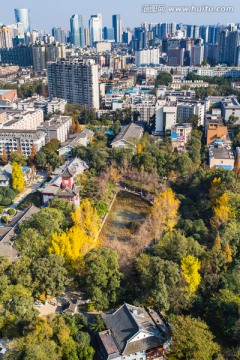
(33, 188)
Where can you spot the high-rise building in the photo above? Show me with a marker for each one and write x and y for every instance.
(95, 27)
(204, 32)
(197, 55)
(126, 37)
(75, 81)
(55, 51)
(39, 57)
(148, 56)
(59, 35)
(167, 29)
(228, 43)
(176, 57)
(34, 36)
(20, 55)
(6, 37)
(77, 30)
(108, 33)
(23, 16)
(42, 53)
(117, 26)
(87, 36)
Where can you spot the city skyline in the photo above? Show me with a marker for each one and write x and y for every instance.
(42, 19)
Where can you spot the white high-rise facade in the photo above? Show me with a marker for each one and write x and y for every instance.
(148, 56)
(95, 27)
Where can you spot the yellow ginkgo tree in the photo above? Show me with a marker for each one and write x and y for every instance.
(190, 267)
(75, 242)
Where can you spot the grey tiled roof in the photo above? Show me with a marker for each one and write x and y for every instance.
(126, 324)
(128, 132)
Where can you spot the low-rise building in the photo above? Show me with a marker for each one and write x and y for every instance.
(33, 102)
(189, 84)
(23, 120)
(221, 156)
(127, 136)
(58, 127)
(230, 107)
(216, 131)
(180, 134)
(63, 186)
(81, 139)
(134, 333)
(9, 95)
(56, 105)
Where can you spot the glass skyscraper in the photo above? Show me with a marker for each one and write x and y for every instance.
(23, 16)
(77, 30)
(117, 25)
(95, 27)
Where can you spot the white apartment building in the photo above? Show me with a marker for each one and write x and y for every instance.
(58, 127)
(145, 109)
(75, 81)
(166, 116)
(23, 120)
(197, 55)
(102, 46)
(230, 106)
(186, 109)
(55, 105)
(12, 140)
(30, 103)
(147, 56)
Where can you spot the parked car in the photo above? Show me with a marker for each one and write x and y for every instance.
(38, 303)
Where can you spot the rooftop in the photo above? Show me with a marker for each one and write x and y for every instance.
(2, 92)
(125, 324)
(129, 131)
(221, 152)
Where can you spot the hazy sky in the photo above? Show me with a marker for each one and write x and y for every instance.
(46, 14)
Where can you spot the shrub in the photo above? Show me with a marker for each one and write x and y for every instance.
(2, 209)
(4, 219)
(11, 211)
(101, 208)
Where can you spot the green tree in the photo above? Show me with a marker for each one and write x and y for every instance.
(163, 78)
(41, 159)
(102, 279)
(192, 339)
(31, 243)
(46, 221)
(157, 277)
(17, 157)
(49, 275)
(175, 246)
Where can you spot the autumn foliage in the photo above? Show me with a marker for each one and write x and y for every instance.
(164, 212)
(17, 177)
(190, 267)
(75, 242)
(222, 211)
